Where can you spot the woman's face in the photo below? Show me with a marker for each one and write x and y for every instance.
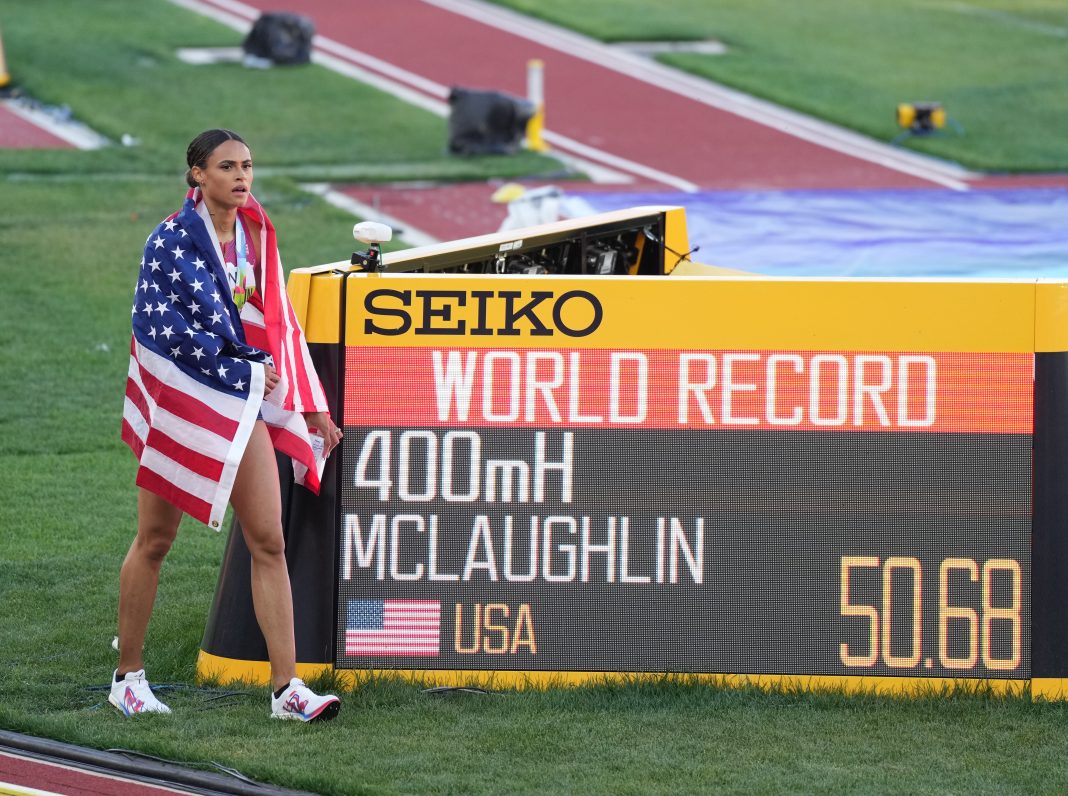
(227, 178)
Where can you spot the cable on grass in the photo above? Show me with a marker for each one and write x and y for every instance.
(209, 764)
(447, 690)
(214, 694)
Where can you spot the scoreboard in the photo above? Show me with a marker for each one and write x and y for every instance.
(561, 476)
(684, 475)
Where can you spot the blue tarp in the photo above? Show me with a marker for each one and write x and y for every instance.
(899, 233)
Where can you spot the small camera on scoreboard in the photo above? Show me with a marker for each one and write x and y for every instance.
(373, 233)
(613, 256)
(530, 264)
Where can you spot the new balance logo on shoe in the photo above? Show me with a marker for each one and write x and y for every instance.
(131, 704)
(294, 704)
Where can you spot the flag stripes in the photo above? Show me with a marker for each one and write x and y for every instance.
(393, 627)
(195, 385)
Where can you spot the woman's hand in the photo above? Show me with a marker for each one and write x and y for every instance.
(270, 379)
(331, 434)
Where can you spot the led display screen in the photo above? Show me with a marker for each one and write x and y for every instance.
(524, 487)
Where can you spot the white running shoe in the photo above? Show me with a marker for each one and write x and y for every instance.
(300, 703)
(132, 695)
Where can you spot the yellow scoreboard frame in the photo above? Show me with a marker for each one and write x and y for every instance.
(571, 454)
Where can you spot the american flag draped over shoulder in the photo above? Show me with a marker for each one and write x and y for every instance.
(195, 384)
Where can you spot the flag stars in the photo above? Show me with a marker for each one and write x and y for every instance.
(170, 225)
(216, 317)
(173, 297)
(178, 251)
(239, 384)
(198, 262)
(189, 332)
(144, 285)
(222, 372)
(154, 265)
(176, 351)
(193, 307)
(198, 285)
(168, 332)
(161, 308)
(159, 242)
(152, 332)
(197, 325)
(198, 353)
(175, 275)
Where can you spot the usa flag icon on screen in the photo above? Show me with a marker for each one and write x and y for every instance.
(393, 627)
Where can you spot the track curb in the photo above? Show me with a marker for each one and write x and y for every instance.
(149, 772)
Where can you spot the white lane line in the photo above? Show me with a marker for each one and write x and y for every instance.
(710, 93)
(623, 164)
(388, 85)
(74, 133)
(391, 71)
(412, 235)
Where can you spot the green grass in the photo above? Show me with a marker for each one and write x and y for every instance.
(996, 65)
(71, 230)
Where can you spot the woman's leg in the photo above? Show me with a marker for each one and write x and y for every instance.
(256, 498)
(157, 525)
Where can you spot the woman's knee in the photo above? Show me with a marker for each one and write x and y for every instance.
(265, 540)
(154, 541)
(157, 526)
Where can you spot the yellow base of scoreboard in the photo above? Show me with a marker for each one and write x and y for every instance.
(215, 668)
(228, 670)
(1049, 688)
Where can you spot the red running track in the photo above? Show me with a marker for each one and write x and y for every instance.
(592, 104)
(18, 773)
(18, 133)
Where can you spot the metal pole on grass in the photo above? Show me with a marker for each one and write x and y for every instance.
(5, 78)
(536, 96)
